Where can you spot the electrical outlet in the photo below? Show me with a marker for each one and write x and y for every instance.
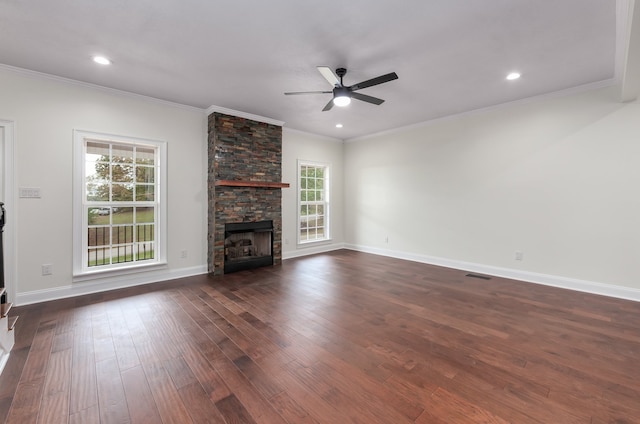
(519, 255)
(183, 253)
(386, 239)
(286, 241)
(47, 269)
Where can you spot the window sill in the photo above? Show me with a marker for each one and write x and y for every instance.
(313, 242)
(79, 277)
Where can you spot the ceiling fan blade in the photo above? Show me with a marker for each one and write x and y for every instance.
(328, 74)
(328, 106)
(292, 93)
(374, 81)
(368, 99)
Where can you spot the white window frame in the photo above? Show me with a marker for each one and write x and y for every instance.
(326, 202)
(81, 271)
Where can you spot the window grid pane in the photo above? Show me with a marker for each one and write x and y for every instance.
(313, 203)
(120, 203)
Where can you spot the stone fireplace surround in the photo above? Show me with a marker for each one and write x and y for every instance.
(244, 182)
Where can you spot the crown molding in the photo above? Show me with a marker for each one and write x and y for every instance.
(213, 108)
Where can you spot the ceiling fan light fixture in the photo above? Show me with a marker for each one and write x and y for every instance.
(341, 96)
(341, 101)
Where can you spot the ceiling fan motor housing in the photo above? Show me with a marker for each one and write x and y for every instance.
(341, 92)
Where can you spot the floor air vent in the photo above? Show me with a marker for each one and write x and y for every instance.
(482, 277)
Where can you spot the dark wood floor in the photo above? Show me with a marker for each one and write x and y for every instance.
(344, 337)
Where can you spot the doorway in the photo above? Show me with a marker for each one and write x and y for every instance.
(7, 196)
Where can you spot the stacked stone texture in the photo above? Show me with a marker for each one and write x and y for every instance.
(241, 149)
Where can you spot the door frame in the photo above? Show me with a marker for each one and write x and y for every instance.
(7, 143)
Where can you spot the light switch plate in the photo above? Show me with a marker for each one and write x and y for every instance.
(29, 192)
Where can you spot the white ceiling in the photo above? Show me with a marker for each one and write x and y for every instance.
(451, 56)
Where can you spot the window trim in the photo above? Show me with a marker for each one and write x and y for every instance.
(80, 271)
(327, 202)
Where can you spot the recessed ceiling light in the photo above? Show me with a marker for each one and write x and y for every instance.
(101, 60)
(338, 125)
(513, 76)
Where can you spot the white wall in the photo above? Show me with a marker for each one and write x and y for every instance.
(46, 111)
(297, 145)
(556, 179)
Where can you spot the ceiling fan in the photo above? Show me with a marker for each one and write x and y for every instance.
(342, 94)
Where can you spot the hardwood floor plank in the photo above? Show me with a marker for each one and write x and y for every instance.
(86, 416)
(201, 408)
(65, 322)
(142, 406)
(26, 402)
(238, 384)
(5, 405)
(341, 337)
(168, 401)
(103, 347)
(111, 397)
(206, 375)
(233, 411)
(55, 400)
(290, 410)
(265, 384)
(513, 405)
(26, 331)
(367, 391)
(62, 341)
(345, 407)
(308, 400)
(10, 376)
(38, 358)
(179, 372)
(83, 393)
(357, 398)
(227, 322)
(122, 341)
(453, 409)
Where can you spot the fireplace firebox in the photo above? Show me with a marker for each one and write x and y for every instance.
(247, 245)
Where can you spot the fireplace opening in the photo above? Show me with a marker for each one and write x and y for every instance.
(247, 245)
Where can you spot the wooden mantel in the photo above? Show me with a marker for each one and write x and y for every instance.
(261, 184)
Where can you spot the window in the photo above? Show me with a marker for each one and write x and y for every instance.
(313, 201)
(119, 202)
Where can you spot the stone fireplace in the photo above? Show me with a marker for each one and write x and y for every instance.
(245, 173)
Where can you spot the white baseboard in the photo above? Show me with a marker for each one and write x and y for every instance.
(106, 284)
(312, 250)
(592, 287)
